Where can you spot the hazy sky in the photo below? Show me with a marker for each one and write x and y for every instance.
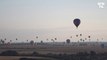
(27, 17)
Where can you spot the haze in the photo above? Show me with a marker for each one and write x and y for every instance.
(26, 19)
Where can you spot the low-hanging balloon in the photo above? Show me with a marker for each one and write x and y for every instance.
(52, 40)
(102, 38)
(80, 39)
(26, 40)
(83, 40)
(77, 22)
(10, 40)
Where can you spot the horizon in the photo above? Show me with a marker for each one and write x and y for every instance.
(50, 19)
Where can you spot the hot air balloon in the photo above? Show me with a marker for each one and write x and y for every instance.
(76, 35)
(80, 34)
(85, 38)
(71, 37)
(27, 40)
(55, 38)
(80, 39)
(5, 39)
(10, 40)
(37, 37)
(52, 40)
(16, 39)
(47, 39)
(88, 36)
(77, 22)
(102, 38)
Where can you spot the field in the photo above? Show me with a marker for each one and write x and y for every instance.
(55, 48)
(26, 50)
(18, 58)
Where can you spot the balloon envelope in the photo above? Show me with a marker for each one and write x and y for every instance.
(76, 35)
(80, 34)
(77, 22)
(37, 37)
(55, 38)
(88, 36)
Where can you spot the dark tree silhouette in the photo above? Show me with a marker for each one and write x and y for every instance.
(2, 41)
(32, 42)
(9, 53)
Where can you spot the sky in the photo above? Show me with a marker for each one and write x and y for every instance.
(25, 19)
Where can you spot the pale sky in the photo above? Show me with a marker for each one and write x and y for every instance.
(32, 17)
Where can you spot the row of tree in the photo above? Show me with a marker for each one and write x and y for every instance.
(92, 55)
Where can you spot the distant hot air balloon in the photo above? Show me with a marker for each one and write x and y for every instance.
(71, 37)
(80, 34)
(37, 37)
(47, 39)
(16, 39)
(77, 22)
(97, 40)
(88, 36)
(41, 41)
(102, 38)
(76, 35)
(55, 38)
(27, 40)
(85, 38)
(10, 40)
(80, 39)
(5, 39)
(52, 40)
